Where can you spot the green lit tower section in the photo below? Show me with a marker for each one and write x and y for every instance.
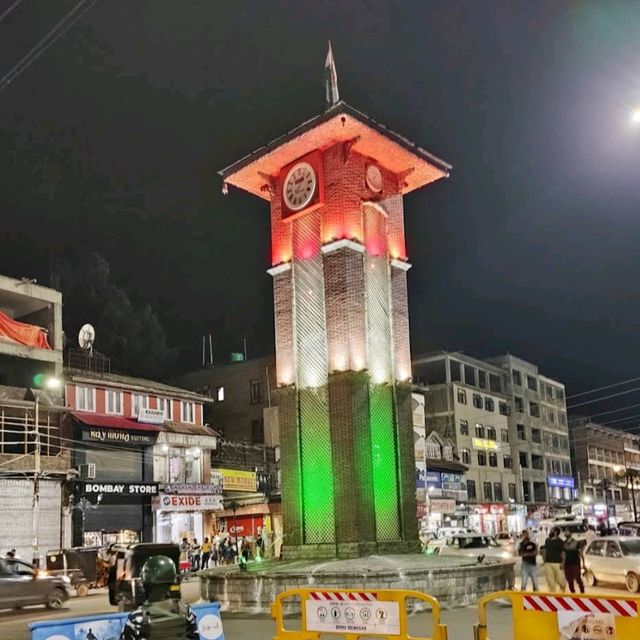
(339, 266)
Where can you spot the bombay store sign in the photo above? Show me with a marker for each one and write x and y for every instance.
(98, 434)
(120, 488)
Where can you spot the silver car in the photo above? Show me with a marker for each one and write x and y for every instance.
(471, 545)
(614, 559)
(21, 586)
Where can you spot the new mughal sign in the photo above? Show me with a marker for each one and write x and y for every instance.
(235, 480)
(99, 434)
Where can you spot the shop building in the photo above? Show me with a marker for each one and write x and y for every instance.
(34, 449)
(137, 443)
(466, 404)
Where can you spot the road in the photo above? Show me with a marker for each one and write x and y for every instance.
(13, 624)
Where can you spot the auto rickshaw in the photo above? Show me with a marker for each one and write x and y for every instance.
(125, 586)
(84, 566)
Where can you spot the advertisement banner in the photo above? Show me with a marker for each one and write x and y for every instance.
(168, 502)
(484, 445)
(442, 505)
(234, 480)
(579, 625)
(561, 481)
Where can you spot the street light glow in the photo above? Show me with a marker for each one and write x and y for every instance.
(635, 116)
(52, 383)
(586, 499)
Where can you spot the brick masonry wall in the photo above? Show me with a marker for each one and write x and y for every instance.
(406, 462)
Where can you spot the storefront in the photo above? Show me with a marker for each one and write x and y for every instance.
(497, 518)
(438, 494)
(112, 500)
(561, 489)
(179, 515)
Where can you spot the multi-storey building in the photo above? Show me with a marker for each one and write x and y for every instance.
(465, 402)
(538, 432)
(607, 469)
(34, 450)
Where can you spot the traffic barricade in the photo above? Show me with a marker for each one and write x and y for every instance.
(353, 613)
(549, 616)
(108, 626)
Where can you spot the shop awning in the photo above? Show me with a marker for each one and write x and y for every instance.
(113, 422)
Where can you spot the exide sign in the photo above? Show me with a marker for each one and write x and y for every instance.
(168, 502)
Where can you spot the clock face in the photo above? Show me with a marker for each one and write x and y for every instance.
(373, 177)
(299, 186)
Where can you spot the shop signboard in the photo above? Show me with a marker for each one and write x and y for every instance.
(427, 478)
(212, 488)
(484, 445)
(172, 502)
(186, 440)
(119, 488)
(565, 482)
(442, 505)
(453, 482)
(123, 436)
(234, 480)
(151, 416)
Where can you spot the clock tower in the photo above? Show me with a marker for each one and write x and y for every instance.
(335, 187)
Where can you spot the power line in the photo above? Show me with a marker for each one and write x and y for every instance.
(603, 413)
(9, 10)
(612, 395)
(47, 41)
(609, 386)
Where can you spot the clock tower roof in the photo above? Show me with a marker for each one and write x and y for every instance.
(340, 123)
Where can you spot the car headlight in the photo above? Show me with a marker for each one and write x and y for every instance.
(504, 555)
(66, 579)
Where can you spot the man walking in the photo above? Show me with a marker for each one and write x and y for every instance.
(573, 561)
(552, 556)
(528, 550)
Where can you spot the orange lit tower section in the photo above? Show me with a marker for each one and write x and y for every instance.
(335, 186)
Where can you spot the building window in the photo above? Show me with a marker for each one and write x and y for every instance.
(488, 496)
(482, 458)
(177, 465)
(517, 377)
(187, 412)
(532, 383)
(537, 462)
(256, 391)
(466, 456)
(464, 427)
(493, 459)
(526, 491)
(507, 461)
(562, 419)
(559, 394)
(489, 404)
(470, 375)
(536, 436)
(114, 402)
(471, 490)
(548, 389)
(462, 396)
(219, 394)
(519, 403)
(504, 408)
(166, 406)
(257, 431)
(482, 379)
(85, 399)
(479, 430)
(522, 431)
(505, 435)
(138, 402)
(477, 401)
(566, 468)
(497, 491)
(524, 459)
(512, 491)
(534, 409)
(491, 433)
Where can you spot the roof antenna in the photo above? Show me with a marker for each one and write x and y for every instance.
(331, 80)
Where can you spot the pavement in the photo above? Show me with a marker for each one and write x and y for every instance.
(13, 624)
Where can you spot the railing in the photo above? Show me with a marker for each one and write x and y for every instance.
(88, 360)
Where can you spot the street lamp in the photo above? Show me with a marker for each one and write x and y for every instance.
(630, 476)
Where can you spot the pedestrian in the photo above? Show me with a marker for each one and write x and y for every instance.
(206, 553)
(573, 561)
(195, 555)
(552, 557)
(528, 550)
(11, 554)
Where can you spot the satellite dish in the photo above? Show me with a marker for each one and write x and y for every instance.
(87, 337)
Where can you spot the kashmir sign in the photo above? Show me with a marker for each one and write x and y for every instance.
(151, 416)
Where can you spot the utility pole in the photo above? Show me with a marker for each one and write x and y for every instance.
(36, 485)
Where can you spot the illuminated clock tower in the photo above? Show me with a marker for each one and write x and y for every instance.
(335, 186)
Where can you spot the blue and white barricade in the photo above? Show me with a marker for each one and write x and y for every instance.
(108, 626)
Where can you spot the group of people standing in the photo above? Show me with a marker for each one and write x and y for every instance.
(563, 561)
(218, 550)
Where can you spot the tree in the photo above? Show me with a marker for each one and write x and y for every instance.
(131, 336)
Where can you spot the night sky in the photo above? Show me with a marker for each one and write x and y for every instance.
(112, 139)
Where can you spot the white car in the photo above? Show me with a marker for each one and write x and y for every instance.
(471, 545)
(614, 559)
(445, 532)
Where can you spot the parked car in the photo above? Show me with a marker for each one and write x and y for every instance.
(614, 559)
(631, 529)
(21, 586)
(471, 545)
(444, 532)
(577, 527)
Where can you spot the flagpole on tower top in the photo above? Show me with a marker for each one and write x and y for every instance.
(331, 79)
